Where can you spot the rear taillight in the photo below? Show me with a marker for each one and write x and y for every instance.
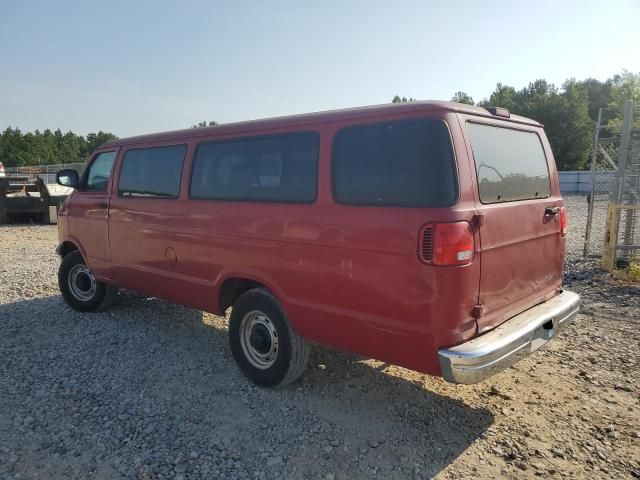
(447, 243)
(563, 221)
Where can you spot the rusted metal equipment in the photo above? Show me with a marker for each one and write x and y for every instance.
(26, 194)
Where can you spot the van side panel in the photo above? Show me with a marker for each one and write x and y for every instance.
(148, 238)
(347, 276)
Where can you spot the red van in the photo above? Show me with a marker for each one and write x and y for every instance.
(429, 235)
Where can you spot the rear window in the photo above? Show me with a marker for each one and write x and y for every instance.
(510, 164)
(280, 168)
(400, 163)
(152, 172)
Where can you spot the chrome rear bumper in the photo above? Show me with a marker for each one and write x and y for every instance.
(492, 352)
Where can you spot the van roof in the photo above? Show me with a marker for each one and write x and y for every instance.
(315, 118)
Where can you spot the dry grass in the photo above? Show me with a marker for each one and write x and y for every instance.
(629, 274)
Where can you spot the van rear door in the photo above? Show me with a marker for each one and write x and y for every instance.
(522, 247)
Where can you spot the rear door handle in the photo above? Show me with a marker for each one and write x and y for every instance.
(552, 210)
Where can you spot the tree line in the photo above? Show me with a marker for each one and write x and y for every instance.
(46, 147)
(18, 149)
(568, 113)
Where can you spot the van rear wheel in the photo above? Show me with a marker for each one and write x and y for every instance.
(80, 288)
(267, 350)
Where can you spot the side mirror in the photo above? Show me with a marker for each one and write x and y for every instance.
(68, 178)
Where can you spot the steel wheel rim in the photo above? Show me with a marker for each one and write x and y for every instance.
(259, 339)
(82, 283)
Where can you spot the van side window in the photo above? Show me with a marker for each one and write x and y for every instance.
(152, 172)
(99, 172)
(510, 164)
(399, 163)
(280, 168)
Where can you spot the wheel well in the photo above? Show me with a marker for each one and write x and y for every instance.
(232, 288)
(67, 247)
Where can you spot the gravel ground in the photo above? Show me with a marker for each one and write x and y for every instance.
(149, 390)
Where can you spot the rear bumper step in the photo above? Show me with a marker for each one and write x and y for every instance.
(492, 352)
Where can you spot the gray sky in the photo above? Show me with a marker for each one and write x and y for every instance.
(132, 67)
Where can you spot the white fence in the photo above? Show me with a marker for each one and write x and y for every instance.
(580, 181)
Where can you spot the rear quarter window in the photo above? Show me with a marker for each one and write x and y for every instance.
(400, 163)
(510, 164)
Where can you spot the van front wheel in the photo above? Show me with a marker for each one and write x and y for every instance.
(80, 288)
(267, 350)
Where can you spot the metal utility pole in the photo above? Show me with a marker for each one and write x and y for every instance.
(622, 165)
(594, 158)
(616, 195)
(624, 151)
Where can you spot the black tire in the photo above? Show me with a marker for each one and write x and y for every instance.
(80, 289)
(290, 358)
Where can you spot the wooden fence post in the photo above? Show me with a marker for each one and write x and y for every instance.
(610, 237)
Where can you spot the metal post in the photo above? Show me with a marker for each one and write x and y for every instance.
(624, 149)
(622, 170)
(610, 238)
(594, 157)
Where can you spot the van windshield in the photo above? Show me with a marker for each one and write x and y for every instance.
(510, 164)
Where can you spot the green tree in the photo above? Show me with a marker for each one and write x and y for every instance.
(204, 124)
(599, 96)
(564, 113)
(13, 152)
(94, 140)
(625, 86)
(503, 96)
(573, 135)
(462, 97)
(399, 99)
(47, 147)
